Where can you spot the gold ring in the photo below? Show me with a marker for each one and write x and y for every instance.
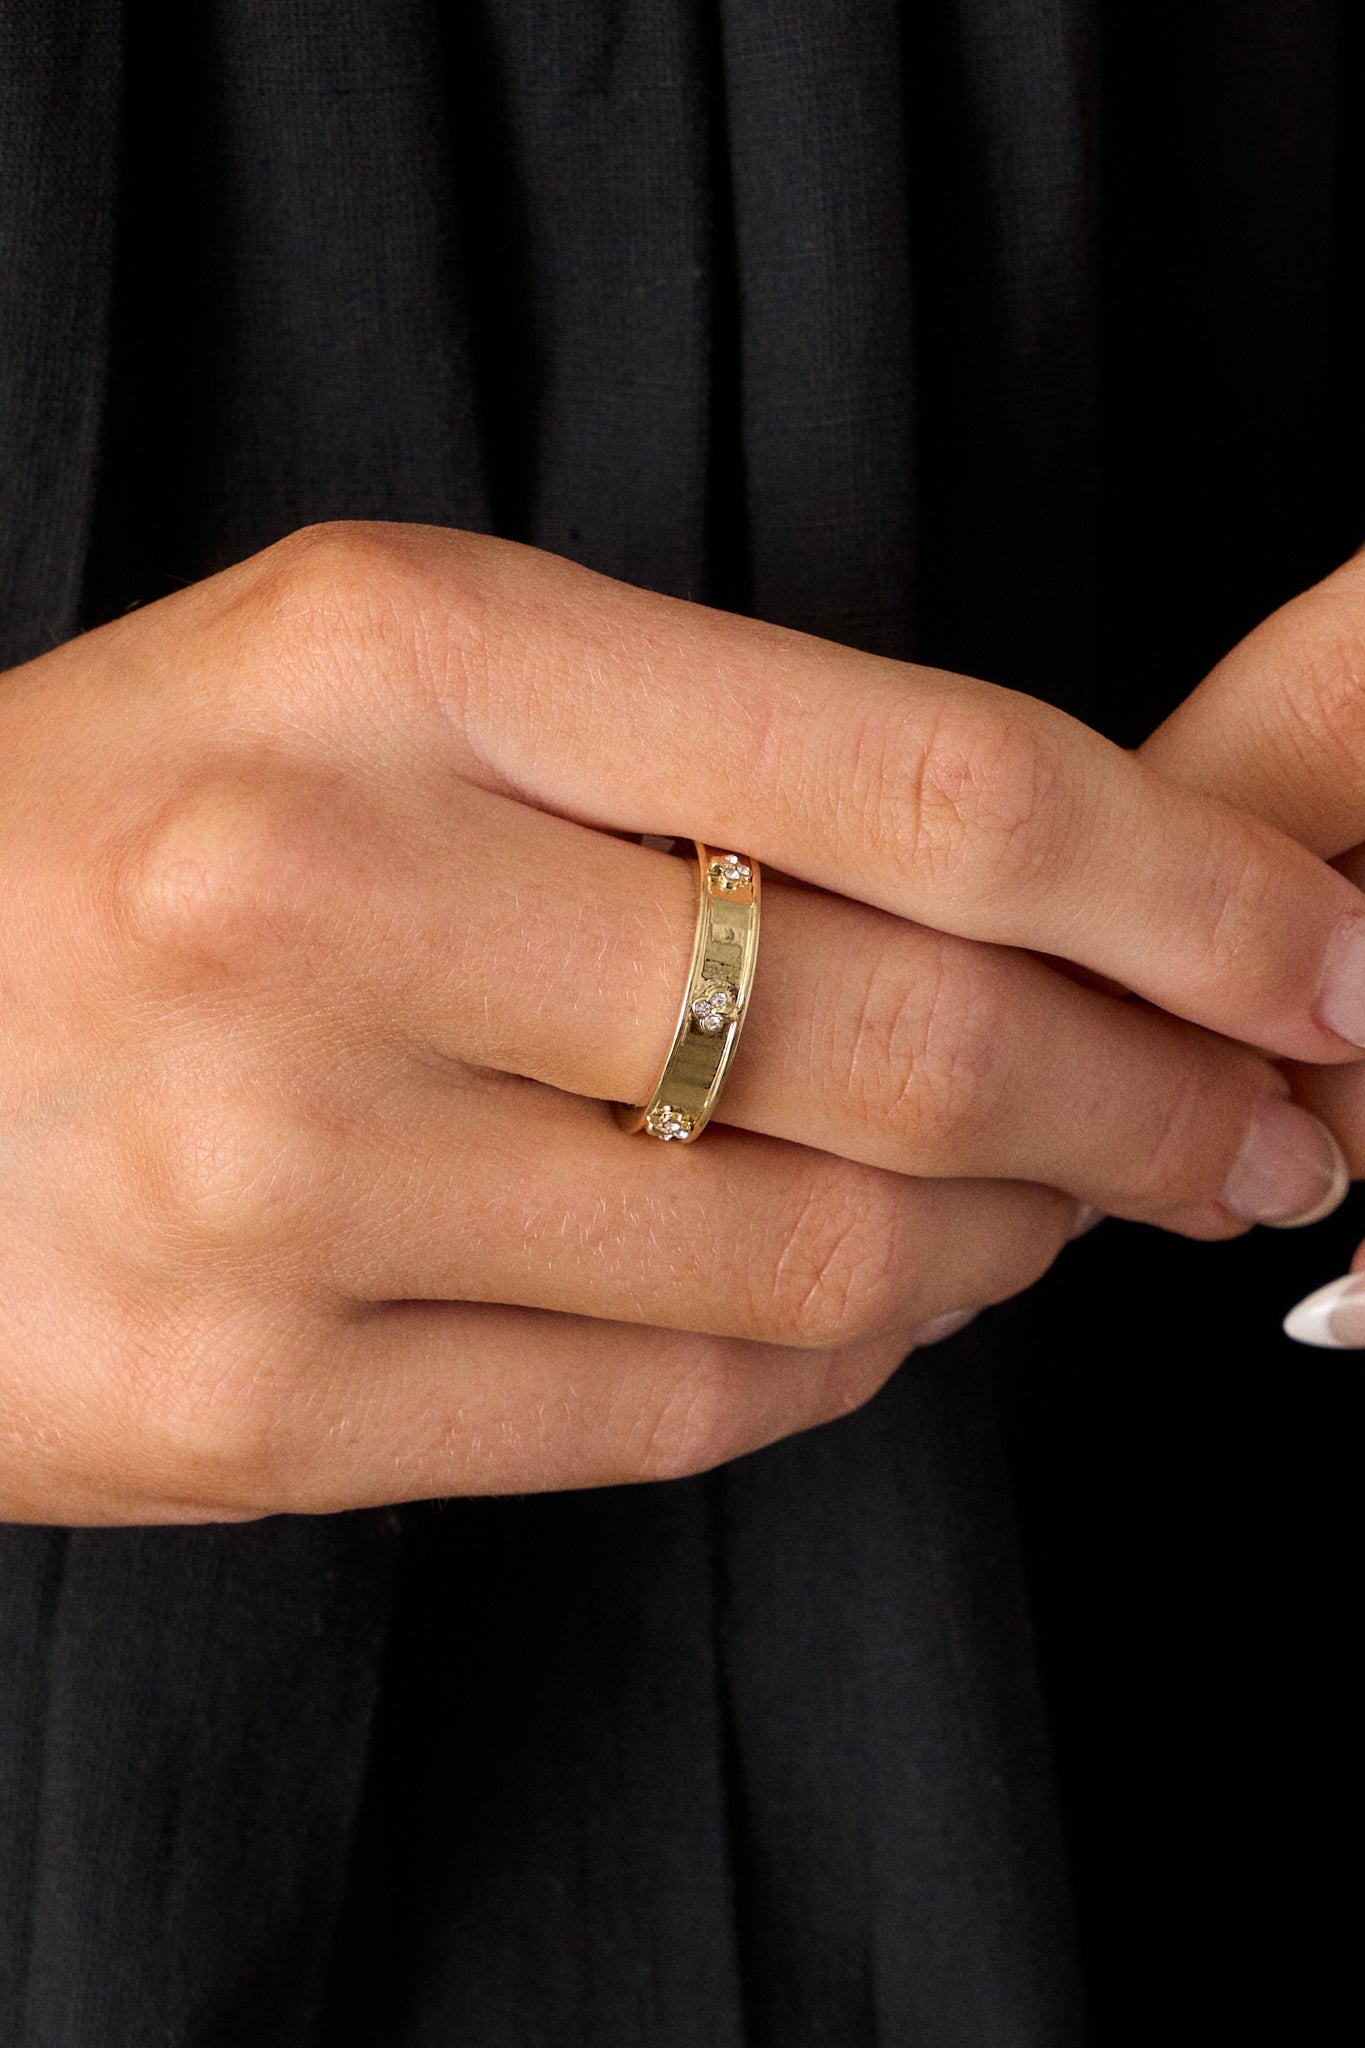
(724, 954)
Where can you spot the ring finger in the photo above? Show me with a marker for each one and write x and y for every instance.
(869, 1036)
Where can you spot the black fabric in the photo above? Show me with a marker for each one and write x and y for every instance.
(185, 1725)
(1018, 335)
(59, 98)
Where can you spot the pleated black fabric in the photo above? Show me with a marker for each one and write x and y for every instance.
(182, 1759)
(1017, 335)
(59, 99)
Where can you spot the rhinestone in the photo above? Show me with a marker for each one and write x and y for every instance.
(666, 1122)
(729, 871)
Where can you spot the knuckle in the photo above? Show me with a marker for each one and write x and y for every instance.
(226, 875)
(217, 1417)
(925, 1040)
(327, 612)
(222, 1182)
(981, 804)
(697, 1421)
(373, 613)
(197, 1403)
(340, 569)
(1321, 717)
(1245, 861)
(834, 1278)
(359, 600)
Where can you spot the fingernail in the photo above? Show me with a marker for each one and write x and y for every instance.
(1289, 1171)
(939, 1327)
(1333, 1318)
(1341, 996)
(1086, 1219)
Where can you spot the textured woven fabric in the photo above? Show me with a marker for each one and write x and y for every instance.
(1016, 335)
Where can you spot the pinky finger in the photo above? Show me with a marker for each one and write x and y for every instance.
(441, 1398)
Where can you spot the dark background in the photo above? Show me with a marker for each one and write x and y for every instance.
(1021, 336)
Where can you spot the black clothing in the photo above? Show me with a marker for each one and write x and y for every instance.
(1015, 335)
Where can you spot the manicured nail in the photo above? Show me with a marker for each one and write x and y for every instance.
(1334, 1317)
(1289, 1171)
(1341, 996)
(1086, 1219)
(939, 1327)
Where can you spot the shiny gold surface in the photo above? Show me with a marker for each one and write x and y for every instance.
(714, 1004)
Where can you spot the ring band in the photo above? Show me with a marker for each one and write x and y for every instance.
(724, 954)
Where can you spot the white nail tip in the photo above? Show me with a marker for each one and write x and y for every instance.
(1311, 1321)
(1333, 1199)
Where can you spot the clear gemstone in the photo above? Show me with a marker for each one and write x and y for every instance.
(668, 1123)
(729, 870)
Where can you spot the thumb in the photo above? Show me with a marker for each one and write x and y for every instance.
(1278, 727)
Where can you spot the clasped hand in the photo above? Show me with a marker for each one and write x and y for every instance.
(325, 946)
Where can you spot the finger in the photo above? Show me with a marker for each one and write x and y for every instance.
(1278, 727)
(739, 1236)
(1340, 1105)
(868, 1036)
(1337, 1096)
(378, 1404)
(930, 1055)
(607, 1404)
(416, 1400)
(937, 797)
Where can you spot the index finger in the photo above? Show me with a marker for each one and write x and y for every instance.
(940, 798)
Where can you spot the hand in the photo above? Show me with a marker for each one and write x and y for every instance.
(1279, 729)
(320, 964)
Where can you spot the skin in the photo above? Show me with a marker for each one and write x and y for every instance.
(322, 960)
(1278, 728)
